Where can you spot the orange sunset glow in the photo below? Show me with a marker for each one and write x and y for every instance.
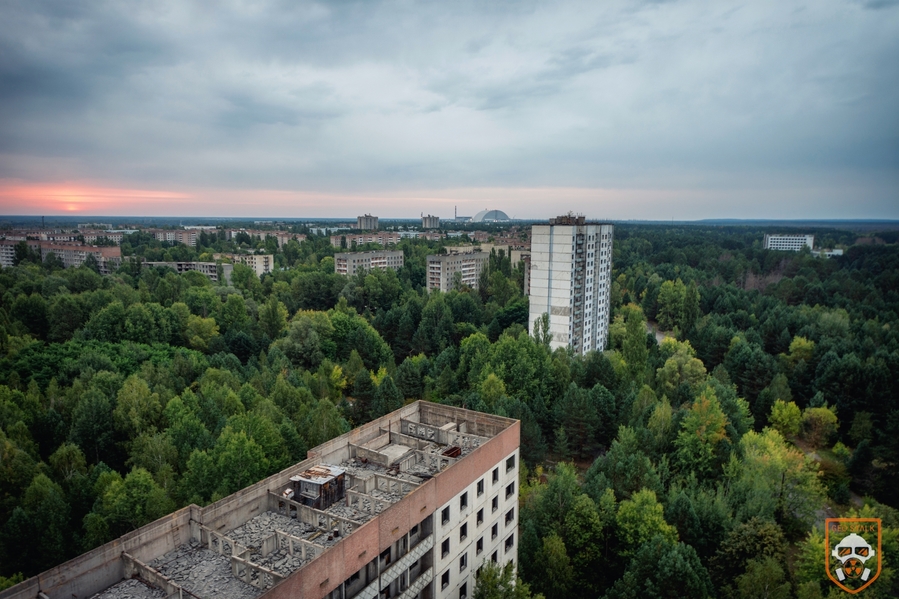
(56, 198)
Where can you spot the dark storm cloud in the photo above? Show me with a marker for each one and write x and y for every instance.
(391, 95)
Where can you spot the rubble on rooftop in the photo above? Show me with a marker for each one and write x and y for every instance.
(131, 589)
(204, 573)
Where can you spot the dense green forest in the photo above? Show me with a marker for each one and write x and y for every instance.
(702, 465)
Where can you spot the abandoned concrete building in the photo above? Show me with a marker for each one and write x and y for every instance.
(408, 505)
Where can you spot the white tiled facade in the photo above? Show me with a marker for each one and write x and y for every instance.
(480, 523)
(570, 279)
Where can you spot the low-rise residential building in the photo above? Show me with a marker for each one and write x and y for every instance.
(448, 271)
(350, 263)
(827, 253)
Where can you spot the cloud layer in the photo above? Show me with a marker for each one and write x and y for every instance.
(766, 109)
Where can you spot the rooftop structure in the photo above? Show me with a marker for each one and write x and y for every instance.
(362, 517)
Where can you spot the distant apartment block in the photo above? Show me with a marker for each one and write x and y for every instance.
(430, 222)
(209, 269)
(570, 280)
(115, 236)
(260, 263)
(282, 237)
(185, 236)
(72, 255)
(789, 243)
(367, 223)
(408, 506)
(350, 263)
(443, 269)
(383, 239)
(94, 225)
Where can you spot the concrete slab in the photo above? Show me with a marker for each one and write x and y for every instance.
(131, 589)
(204, 573)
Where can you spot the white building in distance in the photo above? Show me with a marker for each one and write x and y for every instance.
(789, 243)
(570, 280)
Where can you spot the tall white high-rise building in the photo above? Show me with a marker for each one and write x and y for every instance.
(571, 277)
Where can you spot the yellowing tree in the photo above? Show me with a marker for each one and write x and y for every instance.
(702, 429)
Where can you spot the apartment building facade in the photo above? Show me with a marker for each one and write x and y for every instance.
(367, 223)
(570, 280)
(383, 239)
(260, 263)
(72, 255)
(282, 237)
(446, 271)
(350, 263)
(407, 506)
(185, 236)
(210, 270)
(789, 243)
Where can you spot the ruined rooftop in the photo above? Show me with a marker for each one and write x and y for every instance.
(248, 543)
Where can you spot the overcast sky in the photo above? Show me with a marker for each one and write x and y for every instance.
(615, 109)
